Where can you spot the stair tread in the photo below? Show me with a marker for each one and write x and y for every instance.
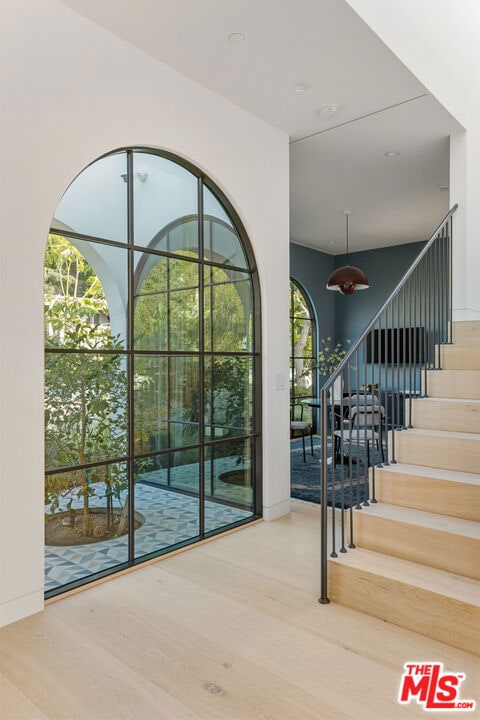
(432, 521)
(443, 372)
(445, 399)
(432, 472)
(461, 345)
(445, 434)
(448, 584)
(453, 371)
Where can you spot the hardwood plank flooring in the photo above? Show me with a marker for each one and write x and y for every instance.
(229, 630)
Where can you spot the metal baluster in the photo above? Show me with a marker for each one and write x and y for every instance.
(323, 599)
(406, 343)
(434, 303)
(398, 361)
(392, 367)
(438, 301)
(411, 342)
(422, 323)
(333, 467)
(351, 544)
(444, 287)
(427, 320)
(357, 440)
(414, 285)
(342, 473)
(383, 372)
(366, 452)
(447, 286)
(372, 350)
(450, 283)
(433, 283)
(341, 449)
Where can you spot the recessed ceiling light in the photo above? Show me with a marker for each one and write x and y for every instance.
(392, 153)
(301, 87)
(328, 110)
(236, 38)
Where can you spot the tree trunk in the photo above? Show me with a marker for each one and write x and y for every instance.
(87, 520)
(300, 379)
(123, 524)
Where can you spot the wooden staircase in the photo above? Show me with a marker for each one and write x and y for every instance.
(416, 562)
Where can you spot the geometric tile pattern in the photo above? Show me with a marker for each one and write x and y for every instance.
(170, 517)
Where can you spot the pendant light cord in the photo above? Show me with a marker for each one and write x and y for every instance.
(348, 255)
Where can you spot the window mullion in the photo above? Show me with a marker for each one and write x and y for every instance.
(131, 358)
(201, 364)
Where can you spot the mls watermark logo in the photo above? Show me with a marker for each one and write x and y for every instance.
(428, 685)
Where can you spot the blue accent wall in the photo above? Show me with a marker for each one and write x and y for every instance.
(384, 268)
(346, 316)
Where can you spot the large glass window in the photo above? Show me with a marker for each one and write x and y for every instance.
(302, 350)
(152, 367)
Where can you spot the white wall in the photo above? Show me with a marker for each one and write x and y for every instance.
(439, 42)
(71, 92)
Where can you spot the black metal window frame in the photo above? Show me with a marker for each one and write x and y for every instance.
(311, 318)
(254, 436)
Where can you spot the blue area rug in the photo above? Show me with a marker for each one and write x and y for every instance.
(344, 488)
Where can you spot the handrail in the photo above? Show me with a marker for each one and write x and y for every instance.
(396, 351)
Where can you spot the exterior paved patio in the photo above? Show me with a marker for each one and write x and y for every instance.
(170, 517)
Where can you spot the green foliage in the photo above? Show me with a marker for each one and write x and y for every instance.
(300, 323)
(86, 373)
(167, 317)
(75, 304)
(232, 386)
(301, 343)
(85, 393)
(330, 356)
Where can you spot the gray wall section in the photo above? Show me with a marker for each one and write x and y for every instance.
(312, 268)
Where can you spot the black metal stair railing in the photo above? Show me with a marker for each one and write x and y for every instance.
(368, 399)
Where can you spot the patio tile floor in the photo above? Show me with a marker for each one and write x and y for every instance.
(170, 517)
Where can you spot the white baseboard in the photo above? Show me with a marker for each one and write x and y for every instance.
(275, 511)
(21, 607)
(465, 314)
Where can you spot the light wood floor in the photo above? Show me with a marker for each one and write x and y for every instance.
(228, 630)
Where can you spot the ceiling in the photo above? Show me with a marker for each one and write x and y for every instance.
(337, 162)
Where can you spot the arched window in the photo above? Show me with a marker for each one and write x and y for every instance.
(152, 368)
(302, 347)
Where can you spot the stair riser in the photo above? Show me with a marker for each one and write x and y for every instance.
(453, 384)
(436, 616)
(442, 497)
(462, 454)
(441, 550)
(458, 357)
(454, 416)
(466, 331)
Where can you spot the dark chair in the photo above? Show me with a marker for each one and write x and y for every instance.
(300, 426)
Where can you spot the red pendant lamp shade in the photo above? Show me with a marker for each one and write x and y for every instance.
(347, 278)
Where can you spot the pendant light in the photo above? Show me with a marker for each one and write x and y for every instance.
(347, 278)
